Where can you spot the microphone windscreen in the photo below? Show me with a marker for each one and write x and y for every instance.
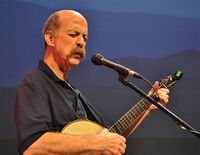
(97, 59)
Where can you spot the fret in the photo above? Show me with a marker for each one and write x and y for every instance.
(125, 121)
(114, 129)
(129, 117)
(134, 113)
(145, 103)
(119, 127)
(131, 113)
(137, 108)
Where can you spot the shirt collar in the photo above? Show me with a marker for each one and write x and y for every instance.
(47, 70)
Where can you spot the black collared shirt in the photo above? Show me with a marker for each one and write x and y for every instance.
(46, 103)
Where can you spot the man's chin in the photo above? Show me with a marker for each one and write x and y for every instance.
(74, 62)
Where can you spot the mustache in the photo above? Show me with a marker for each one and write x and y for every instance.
(80, 51)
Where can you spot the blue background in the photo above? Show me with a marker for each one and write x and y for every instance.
(153, 37)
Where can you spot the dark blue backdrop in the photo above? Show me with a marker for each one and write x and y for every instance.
(152, 37)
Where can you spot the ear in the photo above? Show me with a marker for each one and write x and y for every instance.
(49, 38)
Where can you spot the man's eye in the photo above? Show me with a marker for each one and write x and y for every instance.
(85, 38)
(73, 34)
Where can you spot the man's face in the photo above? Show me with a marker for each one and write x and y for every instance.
(70, 40)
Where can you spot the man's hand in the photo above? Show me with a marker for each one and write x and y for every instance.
(112, 143)
(161, 93)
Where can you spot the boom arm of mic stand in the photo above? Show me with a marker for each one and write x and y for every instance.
(178, 120)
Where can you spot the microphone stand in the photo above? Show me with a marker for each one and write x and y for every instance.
(123, 79)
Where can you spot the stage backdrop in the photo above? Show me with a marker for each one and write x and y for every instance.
(152, 37)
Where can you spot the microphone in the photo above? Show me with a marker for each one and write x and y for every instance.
(98, 59)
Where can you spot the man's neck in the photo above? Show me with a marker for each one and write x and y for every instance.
(56, 67)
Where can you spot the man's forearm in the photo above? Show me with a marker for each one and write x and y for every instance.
(58, 144)
(62, 144)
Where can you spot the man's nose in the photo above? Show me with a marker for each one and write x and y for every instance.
(81, 42)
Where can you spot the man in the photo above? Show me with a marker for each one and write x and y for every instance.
(46, 101)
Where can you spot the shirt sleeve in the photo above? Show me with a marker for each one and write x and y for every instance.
(32, 116)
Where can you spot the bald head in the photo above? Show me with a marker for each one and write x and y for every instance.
(69, 14)
(55, 20)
